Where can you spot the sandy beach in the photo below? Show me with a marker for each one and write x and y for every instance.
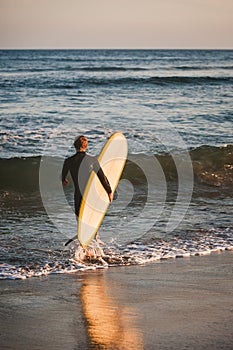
(173, 304)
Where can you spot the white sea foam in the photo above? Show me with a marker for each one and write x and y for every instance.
(137, 253)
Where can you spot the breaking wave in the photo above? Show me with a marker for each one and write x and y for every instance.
(212, 166)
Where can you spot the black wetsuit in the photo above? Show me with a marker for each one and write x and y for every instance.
(80, 166)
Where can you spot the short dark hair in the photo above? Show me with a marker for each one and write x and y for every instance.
(80, 142)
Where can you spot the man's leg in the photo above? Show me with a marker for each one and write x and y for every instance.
(97, 238)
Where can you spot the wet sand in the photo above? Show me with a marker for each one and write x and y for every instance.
(173, 304)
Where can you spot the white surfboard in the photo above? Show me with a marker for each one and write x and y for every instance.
(95, 200)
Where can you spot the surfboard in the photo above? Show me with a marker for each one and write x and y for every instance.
(95, 200)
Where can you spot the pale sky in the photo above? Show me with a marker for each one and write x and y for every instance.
(116, 24)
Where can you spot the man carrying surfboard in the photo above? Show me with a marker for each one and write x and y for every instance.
(80, 166)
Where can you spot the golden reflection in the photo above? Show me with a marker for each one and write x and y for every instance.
(110, 324)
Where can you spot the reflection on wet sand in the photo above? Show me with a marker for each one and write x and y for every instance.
(110, 325)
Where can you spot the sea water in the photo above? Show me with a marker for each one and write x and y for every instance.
(175, 196)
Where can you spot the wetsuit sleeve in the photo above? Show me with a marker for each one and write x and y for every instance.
(65, 170)
(103, 179)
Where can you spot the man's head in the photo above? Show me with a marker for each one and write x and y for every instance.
(81, 143)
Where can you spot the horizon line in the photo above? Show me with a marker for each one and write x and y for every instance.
(115, 48)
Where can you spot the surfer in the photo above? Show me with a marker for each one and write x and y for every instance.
(80, 166)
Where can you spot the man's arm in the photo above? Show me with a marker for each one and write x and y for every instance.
(65, 170)
(105, 184)
(103, 179)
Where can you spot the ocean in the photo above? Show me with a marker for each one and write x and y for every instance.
(175, 108)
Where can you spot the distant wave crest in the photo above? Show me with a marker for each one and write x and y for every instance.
(77, 83)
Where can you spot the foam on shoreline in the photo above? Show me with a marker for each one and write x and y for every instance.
(76, 259)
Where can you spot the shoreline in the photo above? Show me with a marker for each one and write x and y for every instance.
(170, 304)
